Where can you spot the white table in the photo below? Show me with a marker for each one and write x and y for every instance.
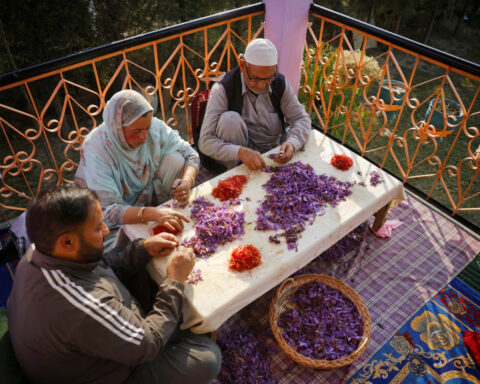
(222, 293)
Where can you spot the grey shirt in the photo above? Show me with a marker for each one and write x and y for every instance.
(74, 322)
(264, 127)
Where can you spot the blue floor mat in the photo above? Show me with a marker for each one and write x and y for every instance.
(6, 281)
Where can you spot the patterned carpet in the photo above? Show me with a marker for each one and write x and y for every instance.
(395, 277)
(429, 348)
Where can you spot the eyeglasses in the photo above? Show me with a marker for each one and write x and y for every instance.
(259, 79)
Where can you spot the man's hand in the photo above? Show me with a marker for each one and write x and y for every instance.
(181, 264)
(288, 151)
(252, 159)
(167, 217)
(161, 244)
(181, 191)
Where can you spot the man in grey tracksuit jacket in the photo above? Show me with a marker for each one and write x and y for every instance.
(76, 322)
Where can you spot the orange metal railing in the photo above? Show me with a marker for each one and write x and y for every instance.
(44, 118)
(392, 105)
(414, 116)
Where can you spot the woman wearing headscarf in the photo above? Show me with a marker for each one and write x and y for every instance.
(134, 162)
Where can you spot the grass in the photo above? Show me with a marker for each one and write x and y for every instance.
(438, 167)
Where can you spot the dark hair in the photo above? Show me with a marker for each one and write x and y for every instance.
(55, 212)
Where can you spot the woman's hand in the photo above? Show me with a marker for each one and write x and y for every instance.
(181, 191)
(167, 217)
(160, 245)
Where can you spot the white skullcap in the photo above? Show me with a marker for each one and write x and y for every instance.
(261, 52)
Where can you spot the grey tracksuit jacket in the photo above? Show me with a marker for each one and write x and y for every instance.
(73, 322)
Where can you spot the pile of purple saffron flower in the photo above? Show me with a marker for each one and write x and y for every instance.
(322, 323)
(195, 276)
(295, 196)
(214, 225)
(244, 359)
(375, 178)
(351, 241)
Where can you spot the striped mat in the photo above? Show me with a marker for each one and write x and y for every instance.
(395, 277)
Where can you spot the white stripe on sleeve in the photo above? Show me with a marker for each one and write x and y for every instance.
(93, 307)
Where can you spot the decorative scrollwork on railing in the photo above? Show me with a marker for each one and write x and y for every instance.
(42, 130)
(413, 116)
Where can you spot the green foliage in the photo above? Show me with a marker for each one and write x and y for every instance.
(117, 19)
(39, 31)
(336, 91)
(409, 18)
(3, 321)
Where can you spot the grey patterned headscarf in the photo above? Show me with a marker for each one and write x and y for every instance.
(134, 107)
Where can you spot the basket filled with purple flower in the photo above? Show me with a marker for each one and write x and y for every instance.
(319, 321)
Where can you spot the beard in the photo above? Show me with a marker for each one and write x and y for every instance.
(88, 253)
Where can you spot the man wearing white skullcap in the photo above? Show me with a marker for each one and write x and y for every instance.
(252, 110)
(261, 52)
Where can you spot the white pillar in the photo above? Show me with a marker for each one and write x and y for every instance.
(286, 26)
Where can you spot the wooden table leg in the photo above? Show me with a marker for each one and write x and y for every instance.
(380, 218)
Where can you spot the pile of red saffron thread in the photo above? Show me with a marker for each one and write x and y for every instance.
(342, 162)
(230, 188)
(244, 258)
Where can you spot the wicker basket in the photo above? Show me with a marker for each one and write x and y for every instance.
(278, 305)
